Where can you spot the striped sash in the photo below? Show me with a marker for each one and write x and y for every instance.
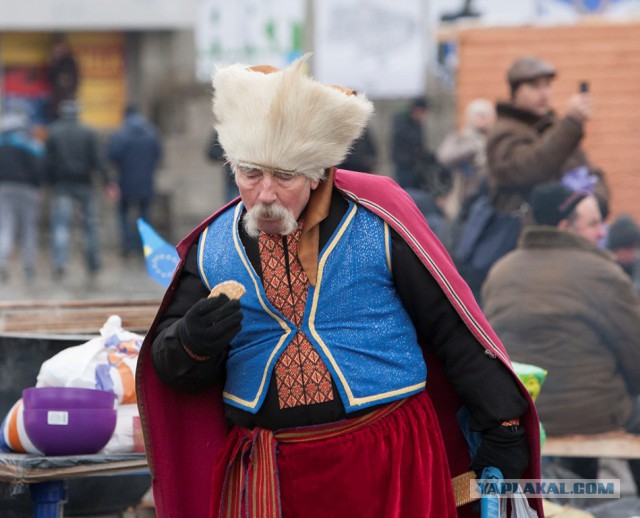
(251, 488)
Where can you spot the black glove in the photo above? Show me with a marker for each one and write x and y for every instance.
(209, 326)
(504, 447)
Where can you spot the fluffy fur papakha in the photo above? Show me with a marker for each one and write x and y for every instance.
(285, 120)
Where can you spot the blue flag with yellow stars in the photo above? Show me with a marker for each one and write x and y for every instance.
(160, 256)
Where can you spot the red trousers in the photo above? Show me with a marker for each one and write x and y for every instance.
(393, 468)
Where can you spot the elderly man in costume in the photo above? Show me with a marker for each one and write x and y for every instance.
(309, 395)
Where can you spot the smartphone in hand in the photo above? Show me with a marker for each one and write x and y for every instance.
(584, 87)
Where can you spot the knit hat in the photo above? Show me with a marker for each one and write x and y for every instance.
(623, 233)
(284, 120)
(553, 202)
(528, 68)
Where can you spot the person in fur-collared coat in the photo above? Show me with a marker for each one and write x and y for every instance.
(308, 394)
(562, 303)
(530, 144)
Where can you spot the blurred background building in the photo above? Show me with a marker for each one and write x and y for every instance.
(160, 54)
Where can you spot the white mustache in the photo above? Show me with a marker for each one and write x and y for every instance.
(251, 220)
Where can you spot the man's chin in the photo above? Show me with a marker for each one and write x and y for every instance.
(271, 226)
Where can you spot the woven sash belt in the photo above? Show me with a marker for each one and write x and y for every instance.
(251, 487)
(251, 479)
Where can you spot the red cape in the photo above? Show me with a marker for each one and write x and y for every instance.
(184, 431)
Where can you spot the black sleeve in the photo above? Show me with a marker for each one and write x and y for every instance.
(33, 166)
(95, 157)
(50, 161)
(485, 385)
(173, 365)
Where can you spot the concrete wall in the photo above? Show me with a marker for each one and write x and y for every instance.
(59, 15)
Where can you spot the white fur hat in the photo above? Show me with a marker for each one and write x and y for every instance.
(284, 120)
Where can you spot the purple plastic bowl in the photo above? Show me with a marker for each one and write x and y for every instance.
(70, 432)
(67, 420)
(63, 398)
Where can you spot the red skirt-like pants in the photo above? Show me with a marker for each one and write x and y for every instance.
(392, 465)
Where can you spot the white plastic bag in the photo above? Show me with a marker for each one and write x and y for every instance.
(122, 439)
(519, 506)
(107, 362)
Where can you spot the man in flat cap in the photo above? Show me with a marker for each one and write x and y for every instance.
(527, 146)
(530, 145)
(306, 396)
(561, 302)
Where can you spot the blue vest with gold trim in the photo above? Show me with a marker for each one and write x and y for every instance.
(353, 317)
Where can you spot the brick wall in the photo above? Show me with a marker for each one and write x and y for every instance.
(605, 54)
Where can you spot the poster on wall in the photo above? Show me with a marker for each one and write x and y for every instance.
(248, 31)
(25, 82)
(374, 46)
(507, 12)
(448, 13)
(103, 88)
(572, 10)
(96, 62)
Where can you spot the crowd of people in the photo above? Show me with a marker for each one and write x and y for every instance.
(70, 166)
(526, 225)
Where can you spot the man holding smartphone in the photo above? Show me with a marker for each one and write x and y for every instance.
(527, 146)
(530, 144)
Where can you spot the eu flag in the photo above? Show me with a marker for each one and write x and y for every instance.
(160, 256)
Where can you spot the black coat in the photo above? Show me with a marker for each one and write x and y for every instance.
(136, 150)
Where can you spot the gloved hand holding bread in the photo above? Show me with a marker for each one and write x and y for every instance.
(211, 323)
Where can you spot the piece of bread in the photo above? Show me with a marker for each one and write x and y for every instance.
(232, 289)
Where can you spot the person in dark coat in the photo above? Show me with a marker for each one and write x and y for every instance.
(562, 303)
(416, 166)
(136, 150)
(408, 146)
(363, 155)
(64, 74)
(215, 153)
(20, 179)
(73, 158)
(623, 240)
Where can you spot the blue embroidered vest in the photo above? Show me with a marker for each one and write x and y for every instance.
(353, 317)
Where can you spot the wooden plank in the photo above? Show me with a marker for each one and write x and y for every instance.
(16, 468)
(76, 304)
(614, 445)
(75, 316)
